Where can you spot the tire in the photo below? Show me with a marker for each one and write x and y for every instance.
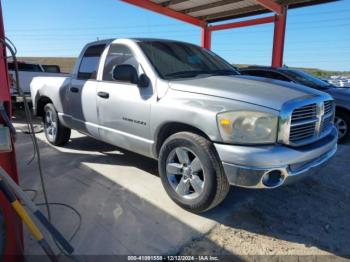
(342, 122)
(55, 132)
(203, 182)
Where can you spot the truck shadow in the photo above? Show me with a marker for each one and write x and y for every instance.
(314, 212)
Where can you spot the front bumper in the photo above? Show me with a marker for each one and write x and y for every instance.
(247, 166)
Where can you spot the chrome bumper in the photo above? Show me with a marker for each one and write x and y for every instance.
(248, 166)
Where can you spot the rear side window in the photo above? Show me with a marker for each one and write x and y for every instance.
(118, 55)
(90, 61)
(52, 68)
(25, 67)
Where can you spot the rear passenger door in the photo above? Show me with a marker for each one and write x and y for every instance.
(124, 108)
(82, 92)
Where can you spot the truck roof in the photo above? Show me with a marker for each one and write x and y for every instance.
(138, 39)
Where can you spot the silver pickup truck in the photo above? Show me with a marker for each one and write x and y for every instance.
(208, 126)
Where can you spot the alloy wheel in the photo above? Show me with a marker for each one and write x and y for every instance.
(50, 125)
(341, 125)
(185, 173)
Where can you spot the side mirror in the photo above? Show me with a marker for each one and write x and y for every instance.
(143, 81)
(125, 73)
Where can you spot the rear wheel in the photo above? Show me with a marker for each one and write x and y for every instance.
(191, 172)
(342, 123)
(55, 132)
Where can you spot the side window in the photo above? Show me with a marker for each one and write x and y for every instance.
(89, 63)
(118, 55)
(267, 74)
(255, 73)
(11, 66)
(25, 67)
(277, 76)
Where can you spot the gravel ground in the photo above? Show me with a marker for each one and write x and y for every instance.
(306, 221)
(311, 217)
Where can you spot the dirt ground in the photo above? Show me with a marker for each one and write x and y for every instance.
(311, 217)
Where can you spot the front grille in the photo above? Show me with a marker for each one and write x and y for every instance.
(326, 123)
(303, 123)
(310, 121)
(328, 115)
(304, 113)
(328, 107)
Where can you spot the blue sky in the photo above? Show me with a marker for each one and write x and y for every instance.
(317, 36)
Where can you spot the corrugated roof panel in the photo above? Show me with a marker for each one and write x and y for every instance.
(190, 4)
(222, 8)
(159, 1)
(218, 10)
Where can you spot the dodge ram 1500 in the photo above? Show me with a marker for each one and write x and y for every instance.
(208, 126)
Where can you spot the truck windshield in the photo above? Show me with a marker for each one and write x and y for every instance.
(307, 79)
(180, 60)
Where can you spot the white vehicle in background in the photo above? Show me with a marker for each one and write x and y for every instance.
(339, 81)
(26, 72)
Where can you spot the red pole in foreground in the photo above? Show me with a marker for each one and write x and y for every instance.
(278, 39)
(13, 225)
(206, 37)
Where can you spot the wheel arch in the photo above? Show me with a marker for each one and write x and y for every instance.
(170, 128)
(342, 109)
(42, 101)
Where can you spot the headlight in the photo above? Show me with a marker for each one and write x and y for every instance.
(247, 127)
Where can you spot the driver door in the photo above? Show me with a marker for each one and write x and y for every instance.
(123, 107)
(82, 92)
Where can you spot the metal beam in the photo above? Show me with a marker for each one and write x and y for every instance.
(278, 39)
(166, 11)
(271, 5)
(231, 13)
(252, 22)
(208, 6)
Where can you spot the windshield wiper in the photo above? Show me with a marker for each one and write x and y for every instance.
(187, 73)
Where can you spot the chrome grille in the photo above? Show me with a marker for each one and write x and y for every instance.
(303, 123)
(304, 113)
(311, 121)
(326, 123)
(328, 107)
(328, 115)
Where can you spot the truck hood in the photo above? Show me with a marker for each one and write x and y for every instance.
(255, 90)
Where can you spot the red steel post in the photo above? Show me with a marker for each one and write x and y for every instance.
(278, 39)
(206, 37)
(13, 225)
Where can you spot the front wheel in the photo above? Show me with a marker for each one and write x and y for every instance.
(191, 172)
(55, 132)
(342, 123)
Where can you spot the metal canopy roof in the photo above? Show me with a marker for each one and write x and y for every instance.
(204, 12)
(218, 10)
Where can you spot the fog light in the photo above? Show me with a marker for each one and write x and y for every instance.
(273, 178)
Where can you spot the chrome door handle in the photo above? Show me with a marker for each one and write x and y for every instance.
(103, 94)
(74, 90)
